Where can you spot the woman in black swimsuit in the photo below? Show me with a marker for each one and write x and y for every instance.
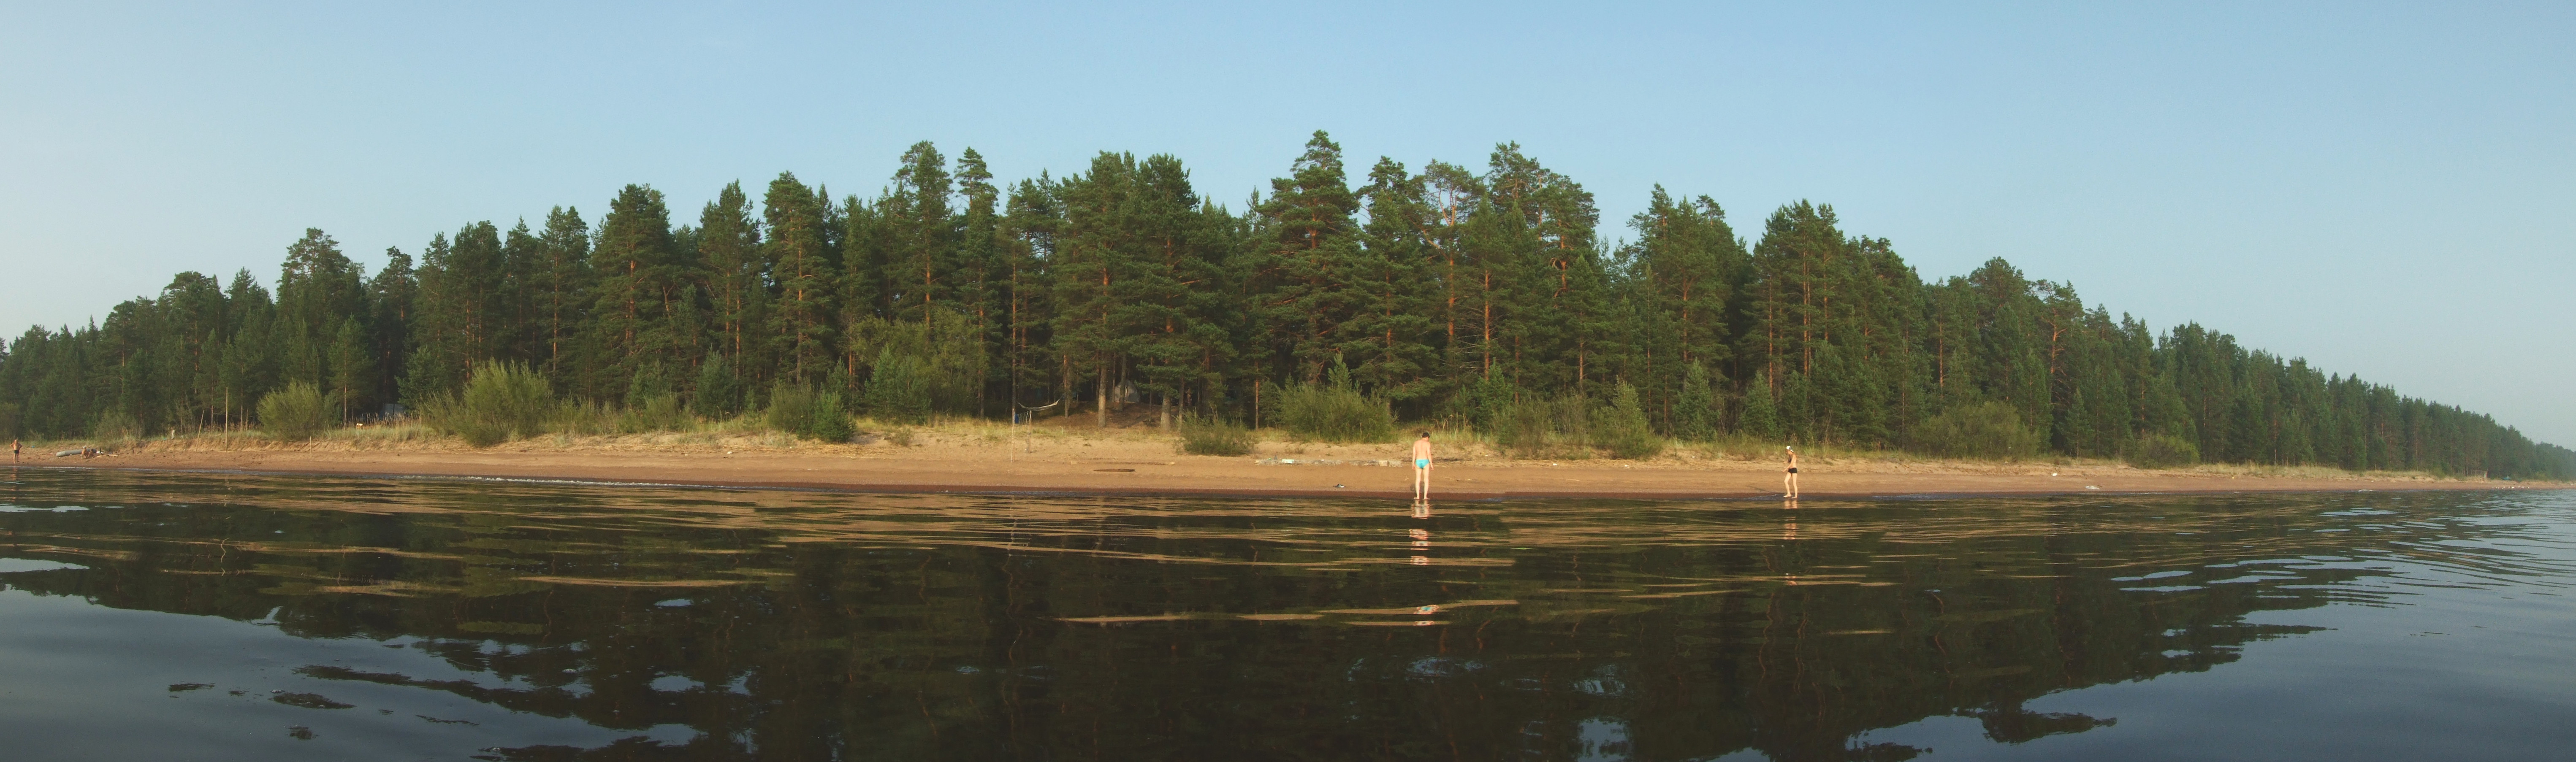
(1789, 482)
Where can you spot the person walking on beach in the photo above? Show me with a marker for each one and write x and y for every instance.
(1422, 468)
(14, 447)
(1789, 481)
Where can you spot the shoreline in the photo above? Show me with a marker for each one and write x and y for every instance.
(1117, 473)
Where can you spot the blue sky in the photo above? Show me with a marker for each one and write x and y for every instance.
(2382, 189)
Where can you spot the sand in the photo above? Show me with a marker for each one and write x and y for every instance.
(994, 459)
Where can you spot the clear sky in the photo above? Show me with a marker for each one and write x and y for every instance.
(2381, 189)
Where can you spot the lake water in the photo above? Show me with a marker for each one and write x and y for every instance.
(159, 616)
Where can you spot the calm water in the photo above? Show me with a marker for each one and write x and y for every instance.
(202, 617)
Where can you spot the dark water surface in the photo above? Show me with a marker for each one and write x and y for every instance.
(204, 617)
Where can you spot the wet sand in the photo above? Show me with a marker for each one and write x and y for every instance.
(1127, 468)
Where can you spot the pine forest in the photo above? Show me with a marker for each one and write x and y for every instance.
(1446, 295)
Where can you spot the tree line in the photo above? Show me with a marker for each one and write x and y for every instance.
(1446, 294)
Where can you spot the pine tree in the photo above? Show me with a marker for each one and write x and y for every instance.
(802, 325)
(640, 277)
(563, 294)
(1389, 330)
(736, 280)
(1312, 256)
(353, 366)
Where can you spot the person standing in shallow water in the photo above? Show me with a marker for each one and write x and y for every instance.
(1789, 481)
(1422, 468)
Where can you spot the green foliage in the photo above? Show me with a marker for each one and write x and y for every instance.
(9, 421)
(585, 417)
(899, 389)
(719, 394)
(1760, 418)
(800, 410)
(1203, 436)
(2161, 451)
(1621, 427)
(658, 412)
(1987, 430)
(1476, 293)
(296, 413)
(791, 408)
(1535, 427)
(1695, 412)
(500, 401)
(830, 420)
(1334, 412)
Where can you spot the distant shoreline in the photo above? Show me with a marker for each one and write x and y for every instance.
(1134, 466)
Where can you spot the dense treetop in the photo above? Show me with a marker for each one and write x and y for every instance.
(1447, 293)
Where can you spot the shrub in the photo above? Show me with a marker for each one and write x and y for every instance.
(719, 394)
(1621, 427)
(658, 412)
(790, 407)
(797, 409)
(116, 423)
(830, 420)
(1201, 436)
(584, 417)
(502, 400)
(1334, 413)
(1760, 419)
(1695, 411)
(1538, 428)
(296, 413)
(2162, 451)
(1989, 430)
(898, 389)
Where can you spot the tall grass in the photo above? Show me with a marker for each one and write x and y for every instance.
(296, 413)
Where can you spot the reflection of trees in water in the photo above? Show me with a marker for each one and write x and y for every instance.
(813, 625)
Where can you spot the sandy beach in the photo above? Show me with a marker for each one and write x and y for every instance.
(998, 460)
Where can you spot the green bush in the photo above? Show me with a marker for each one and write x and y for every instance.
(797, 409)
(116, 423)
(830, 420)
(296, 413)
(719, 394)
(2162, 451)
(1334, 413)
(1760, 418)
(1201, 436)
(791, 408)
(1695, 412)
(502, 400)
(1539, 428)
(658, 412)
(1987, 430)
(898, 389)
(1621, 427)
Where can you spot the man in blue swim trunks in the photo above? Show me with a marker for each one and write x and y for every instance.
(1422, 468)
